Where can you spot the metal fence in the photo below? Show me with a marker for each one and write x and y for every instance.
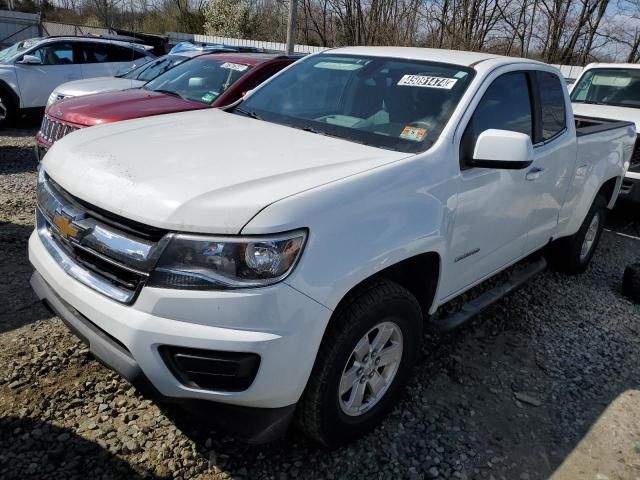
(16, 26)
(176, 37)
(570, 71)
(56, 29)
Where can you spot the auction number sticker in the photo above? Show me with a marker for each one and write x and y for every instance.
(234, 66)
(413, 133)
(427, 81)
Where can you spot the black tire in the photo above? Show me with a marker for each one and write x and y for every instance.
(7, 110)
(565, 253)
(319, 413)
(631, 282)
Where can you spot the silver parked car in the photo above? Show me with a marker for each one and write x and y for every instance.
(133, 78)
(31, 69)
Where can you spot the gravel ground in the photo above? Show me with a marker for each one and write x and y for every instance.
(506, 397)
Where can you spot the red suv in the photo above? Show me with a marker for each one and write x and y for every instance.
(207, 81)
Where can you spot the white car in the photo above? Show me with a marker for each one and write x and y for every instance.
(282, 258)
(134, 78)
(31, 69)
(612, 91)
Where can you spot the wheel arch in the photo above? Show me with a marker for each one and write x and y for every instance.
(419, 274)
(609, 190)
(11, 93)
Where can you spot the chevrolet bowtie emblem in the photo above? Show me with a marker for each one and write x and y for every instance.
(65, 226)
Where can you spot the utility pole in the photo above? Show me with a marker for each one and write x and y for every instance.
(291, 26)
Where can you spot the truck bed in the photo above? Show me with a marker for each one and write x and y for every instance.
(591, 125)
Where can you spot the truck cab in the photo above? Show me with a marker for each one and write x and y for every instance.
(281, 258)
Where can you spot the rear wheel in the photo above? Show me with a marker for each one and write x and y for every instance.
(363, 364)
(573, 254)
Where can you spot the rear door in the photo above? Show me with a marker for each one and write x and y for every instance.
(124, 58)
(59, 64)
(104, 59)
(554, 159)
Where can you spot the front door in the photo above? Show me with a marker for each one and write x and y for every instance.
(36, 81)
(494, 206)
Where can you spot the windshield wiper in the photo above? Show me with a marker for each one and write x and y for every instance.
(327, 134)
(315, 130)
(250, 114)
(169, 92)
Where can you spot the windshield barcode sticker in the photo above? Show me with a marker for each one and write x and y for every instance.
(234, 66)
(426, 81)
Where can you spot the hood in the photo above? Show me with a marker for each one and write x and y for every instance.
(626, 114)
(116, 106)
(207, 171)
(90, 86)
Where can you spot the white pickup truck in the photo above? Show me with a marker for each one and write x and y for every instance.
(281, 259)
(612, 91)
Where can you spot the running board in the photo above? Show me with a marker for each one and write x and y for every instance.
(474, 307)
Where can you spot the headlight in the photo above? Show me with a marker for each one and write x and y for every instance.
(201, 263)
(55, 97)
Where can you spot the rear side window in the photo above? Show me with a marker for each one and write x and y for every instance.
(506, 105)
(124, 54)
(96, 53)
(105, 52)
(551, 104)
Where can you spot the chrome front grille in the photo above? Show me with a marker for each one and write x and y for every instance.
(53, 130)
(107, 259)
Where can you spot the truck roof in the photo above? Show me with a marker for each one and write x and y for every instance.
(456, 57)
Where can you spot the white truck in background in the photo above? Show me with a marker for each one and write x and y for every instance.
(612, 91)
(281, 259)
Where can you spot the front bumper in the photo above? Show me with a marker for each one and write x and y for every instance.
(281, 325)
(630, 189)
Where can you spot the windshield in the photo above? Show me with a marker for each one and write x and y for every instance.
(10, 52)
(200, 80)
(609, 86)
(388, 103)
(152, 69)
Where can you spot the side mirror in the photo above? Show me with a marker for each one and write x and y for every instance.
(123, 71)
(503, 149)
(30, 60)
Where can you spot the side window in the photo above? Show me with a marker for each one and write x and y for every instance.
(551, 104)
(124, 54)
(96, 52)
(506, 105)
(55, 54)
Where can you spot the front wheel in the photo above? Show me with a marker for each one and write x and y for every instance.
(6, 110)
(363, 364)
(573, 254)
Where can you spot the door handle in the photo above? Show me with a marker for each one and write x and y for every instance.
(534, 174)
